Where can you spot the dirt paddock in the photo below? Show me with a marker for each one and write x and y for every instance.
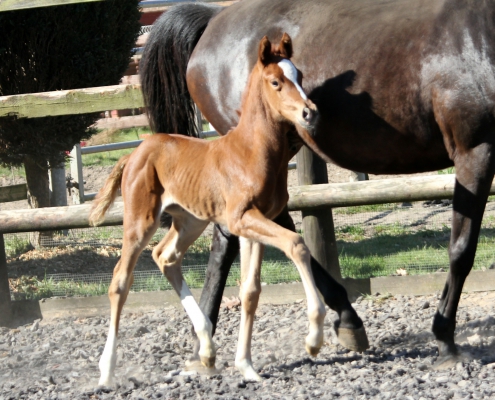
(58, 359)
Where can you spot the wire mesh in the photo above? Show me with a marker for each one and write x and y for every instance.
(375, 240)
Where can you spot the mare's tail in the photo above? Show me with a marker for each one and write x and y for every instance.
(163, 67)
(107, 194)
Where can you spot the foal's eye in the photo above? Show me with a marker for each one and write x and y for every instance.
(274, 83)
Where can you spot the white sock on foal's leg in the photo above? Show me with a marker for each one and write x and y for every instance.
(108, 359)
(202, 326)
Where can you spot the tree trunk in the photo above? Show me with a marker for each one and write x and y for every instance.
(38, 191)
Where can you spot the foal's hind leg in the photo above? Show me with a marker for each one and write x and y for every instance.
(253, 225)
(137, 233)
(251, 257)
(474, 174)
(168, 254)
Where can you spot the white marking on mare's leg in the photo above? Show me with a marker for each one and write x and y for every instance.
(202, 326)
(290, 73)
(108, 359)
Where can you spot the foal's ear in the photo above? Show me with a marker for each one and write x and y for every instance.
(286, 46)
(265, 50)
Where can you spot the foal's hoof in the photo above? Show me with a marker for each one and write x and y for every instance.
(208, 362)
(197, 366)
(312, 351)
(353, 339)
(107, 382)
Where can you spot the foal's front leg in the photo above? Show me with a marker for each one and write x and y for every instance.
(251, 257)
(255, 226)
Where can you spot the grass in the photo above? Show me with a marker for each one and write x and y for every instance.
(16, 245)
(450, 170)
(387, 207)
(30, 288)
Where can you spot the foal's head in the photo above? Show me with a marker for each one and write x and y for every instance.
(281, 84)
(281, 87)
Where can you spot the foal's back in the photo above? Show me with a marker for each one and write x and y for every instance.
(203, 176)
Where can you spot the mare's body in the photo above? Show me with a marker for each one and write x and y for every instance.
(402, 86)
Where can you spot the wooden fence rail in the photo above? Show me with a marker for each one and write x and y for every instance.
(13, 193)
(301, 198)
(68, 102)
(14, 5)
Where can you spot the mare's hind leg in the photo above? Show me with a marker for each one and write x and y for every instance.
(251, 257)
(137, 233)
(168, 255)
(253, 225)
(474, 175)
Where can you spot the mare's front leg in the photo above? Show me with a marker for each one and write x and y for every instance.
(255, 226)
(224, 250)
(251, 257)
(474, 175)
(138, 230)
(168, 255)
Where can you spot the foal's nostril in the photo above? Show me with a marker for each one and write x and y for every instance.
(306, 114)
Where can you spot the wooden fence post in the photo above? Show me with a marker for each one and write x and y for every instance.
(77, 175)
(5, 303)
(318, 225)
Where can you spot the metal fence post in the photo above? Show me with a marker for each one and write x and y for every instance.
(358, 176)
(318, 225)
(77, 175)
(57, 187)
(5, 303)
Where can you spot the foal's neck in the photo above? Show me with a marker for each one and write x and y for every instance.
(260, 128)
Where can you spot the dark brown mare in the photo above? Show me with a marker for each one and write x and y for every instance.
(239, 180)
(402, 86)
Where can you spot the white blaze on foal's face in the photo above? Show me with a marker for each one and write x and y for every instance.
(290, 72)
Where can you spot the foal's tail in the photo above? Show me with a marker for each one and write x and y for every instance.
(163, 67)
(107, 194)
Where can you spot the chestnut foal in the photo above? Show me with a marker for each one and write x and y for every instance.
(239, 181)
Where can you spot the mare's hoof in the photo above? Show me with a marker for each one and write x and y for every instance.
(312, 351)
(353, 339)
(208, 362)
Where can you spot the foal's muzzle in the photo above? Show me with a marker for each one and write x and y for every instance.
(309, 117)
